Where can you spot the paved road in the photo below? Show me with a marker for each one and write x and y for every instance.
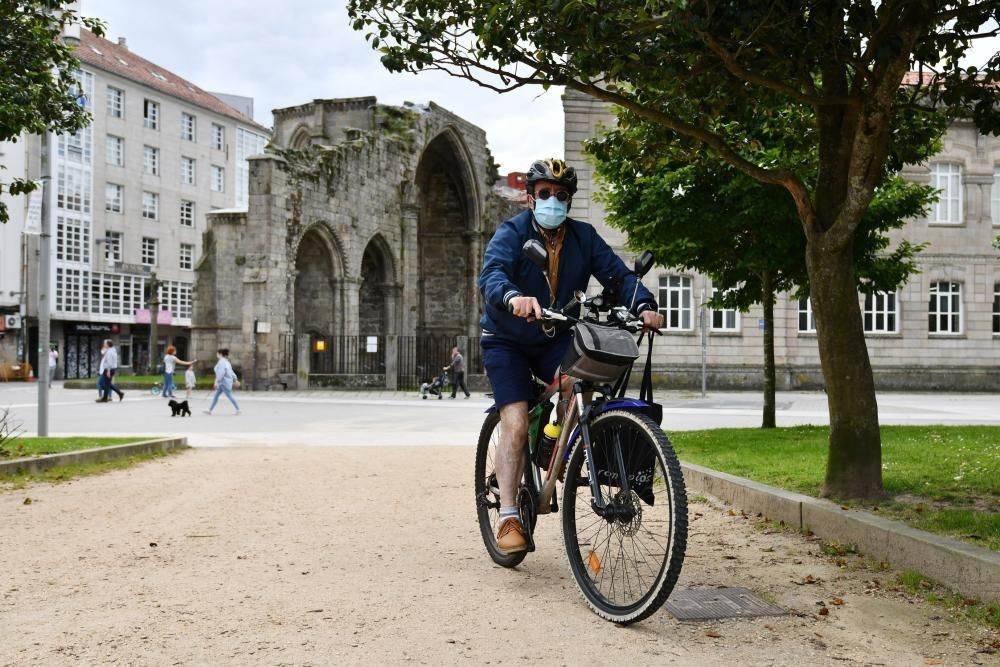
(324, 418)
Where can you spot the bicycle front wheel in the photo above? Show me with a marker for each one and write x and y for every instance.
(155, 390)
(627, 562)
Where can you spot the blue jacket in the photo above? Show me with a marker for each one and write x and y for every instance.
(508, 273)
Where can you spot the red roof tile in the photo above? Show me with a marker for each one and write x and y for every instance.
(111, 57)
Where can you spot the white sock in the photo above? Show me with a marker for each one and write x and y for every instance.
(508, 512)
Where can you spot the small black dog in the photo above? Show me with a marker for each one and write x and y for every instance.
(179, 408)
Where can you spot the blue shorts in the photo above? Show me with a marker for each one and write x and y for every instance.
(509, 365)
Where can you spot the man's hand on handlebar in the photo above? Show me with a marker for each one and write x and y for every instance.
(651, 320)
(526, 307)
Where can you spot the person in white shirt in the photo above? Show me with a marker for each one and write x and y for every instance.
(170, 362)
(189, 382)
(225, 381)
(53, 363)
(109, 364)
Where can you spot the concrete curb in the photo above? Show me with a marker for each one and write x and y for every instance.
(971, 570)
(36, 464)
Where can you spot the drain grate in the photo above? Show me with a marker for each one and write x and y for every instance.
(702, 604)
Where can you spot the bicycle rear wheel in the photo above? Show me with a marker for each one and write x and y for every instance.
(626, 566)
(488, 492)
(155, 389)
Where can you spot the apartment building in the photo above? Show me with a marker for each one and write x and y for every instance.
(127, 200)
(941, 330)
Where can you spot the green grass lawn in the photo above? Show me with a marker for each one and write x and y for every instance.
(142, 381)
(945, 479)
(27, 446)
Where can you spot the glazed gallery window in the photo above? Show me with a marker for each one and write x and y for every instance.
(148, 251)
(150, 205)
(947, 178)
(726, 319)
(151, 114)
(187, 213)
(72, 189)
(944, 312)
(676, 302)
(72, 239)
(880, 313)
(114, 150)
(115, 102)
(114, 196)
(807, 323)
(995, 198)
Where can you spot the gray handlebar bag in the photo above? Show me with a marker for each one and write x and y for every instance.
(599, 354)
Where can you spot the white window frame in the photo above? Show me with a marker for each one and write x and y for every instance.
(944, 310)
(114, 243)
(218, 137)
(150, 114)
(73, 189)
(676, 299)
(948, 209)
(115, 102)
(805, 316)
(880, 313)
(114, 150)
(189, 127)
(150, 251)
(186, 257)
(218, 181)
(150, 205)
(189, 174)
(151, 160)
(729, 318)
(114, 197)
(187, 213)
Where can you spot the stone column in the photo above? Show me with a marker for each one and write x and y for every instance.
(391, 353)
(352, 301)
(303, 352)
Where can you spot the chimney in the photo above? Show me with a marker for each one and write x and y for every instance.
(122, 42)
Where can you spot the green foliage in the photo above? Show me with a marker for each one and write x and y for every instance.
(38, 85)
(9, 430)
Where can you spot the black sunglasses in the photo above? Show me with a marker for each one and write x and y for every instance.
(545, 193)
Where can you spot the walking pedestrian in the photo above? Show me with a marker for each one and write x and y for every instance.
(170, 362)
(225, 381)
(109, 364)
(457, 367)
(53, 363)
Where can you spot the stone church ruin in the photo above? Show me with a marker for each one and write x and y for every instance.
(359, 253)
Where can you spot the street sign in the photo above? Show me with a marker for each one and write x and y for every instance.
(33, 223)
(761, 324)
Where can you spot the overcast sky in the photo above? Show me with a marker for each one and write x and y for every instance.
(291, 52)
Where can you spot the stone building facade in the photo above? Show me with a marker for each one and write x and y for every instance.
(364, 220)
(941, 330)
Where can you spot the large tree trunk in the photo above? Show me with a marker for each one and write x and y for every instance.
(767, 285)
(854, 467)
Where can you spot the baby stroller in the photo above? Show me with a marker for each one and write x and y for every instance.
(435, 386)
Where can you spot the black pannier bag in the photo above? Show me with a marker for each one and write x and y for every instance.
(599, 354)
(640, 463)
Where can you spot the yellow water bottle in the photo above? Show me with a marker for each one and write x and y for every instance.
(547, 444)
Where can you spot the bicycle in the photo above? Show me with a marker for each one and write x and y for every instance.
(624, 502)
(157, 388)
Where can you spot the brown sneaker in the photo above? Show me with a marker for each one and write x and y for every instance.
(510, 537)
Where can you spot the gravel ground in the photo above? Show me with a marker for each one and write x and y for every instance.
(313, 556)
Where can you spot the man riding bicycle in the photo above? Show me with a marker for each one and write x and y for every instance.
(514, 293)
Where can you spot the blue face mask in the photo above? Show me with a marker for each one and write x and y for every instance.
(550, 213)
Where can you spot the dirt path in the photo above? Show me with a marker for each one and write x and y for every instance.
(298, 556)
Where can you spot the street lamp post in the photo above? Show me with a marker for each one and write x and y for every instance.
(44, 293)
(154, 313)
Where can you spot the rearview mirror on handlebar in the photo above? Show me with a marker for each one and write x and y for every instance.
(643, 263)
(536, 254)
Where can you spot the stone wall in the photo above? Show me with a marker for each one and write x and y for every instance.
(408, 188)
